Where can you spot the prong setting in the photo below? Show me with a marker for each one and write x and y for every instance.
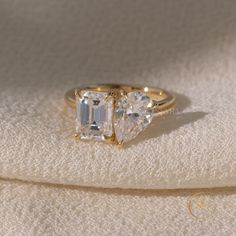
(115, 116)
(116, 113)
(77, 93)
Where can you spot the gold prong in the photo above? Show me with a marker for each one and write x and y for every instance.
(77, 136)
(123, 92)
(114, 94)
(77, 93)
(111, 139)
(109, 95)
(121, 144)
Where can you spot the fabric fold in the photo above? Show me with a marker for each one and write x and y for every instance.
(47, 48)
(34, 209)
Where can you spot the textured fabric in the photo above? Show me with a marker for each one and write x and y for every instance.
(29, 209)
(187, 47)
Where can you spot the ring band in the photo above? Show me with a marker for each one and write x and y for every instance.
(116, 113)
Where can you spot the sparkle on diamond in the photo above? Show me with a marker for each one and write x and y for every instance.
(132, 115)
(94, 115)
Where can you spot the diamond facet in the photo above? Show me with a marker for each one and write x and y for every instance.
(132, 115)
(94, 115)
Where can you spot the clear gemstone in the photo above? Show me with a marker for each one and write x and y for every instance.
(94, 115)
(132, 115)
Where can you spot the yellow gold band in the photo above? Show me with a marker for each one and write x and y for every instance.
(162, 99)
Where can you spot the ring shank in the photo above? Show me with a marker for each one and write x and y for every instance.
(162, 99)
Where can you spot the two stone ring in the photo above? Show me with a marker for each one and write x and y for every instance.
(116, 113)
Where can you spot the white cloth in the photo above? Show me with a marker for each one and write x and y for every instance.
(47, 47)
(29, 209)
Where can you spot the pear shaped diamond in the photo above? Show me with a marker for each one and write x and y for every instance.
(133, 113)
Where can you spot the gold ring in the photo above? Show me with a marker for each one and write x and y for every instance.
(116, 113)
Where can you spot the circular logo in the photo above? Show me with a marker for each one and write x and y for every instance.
(200, 206)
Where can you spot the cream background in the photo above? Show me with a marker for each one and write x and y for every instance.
(47, 47)
(30, 209)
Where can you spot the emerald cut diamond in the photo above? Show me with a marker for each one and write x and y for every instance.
(94, 113)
